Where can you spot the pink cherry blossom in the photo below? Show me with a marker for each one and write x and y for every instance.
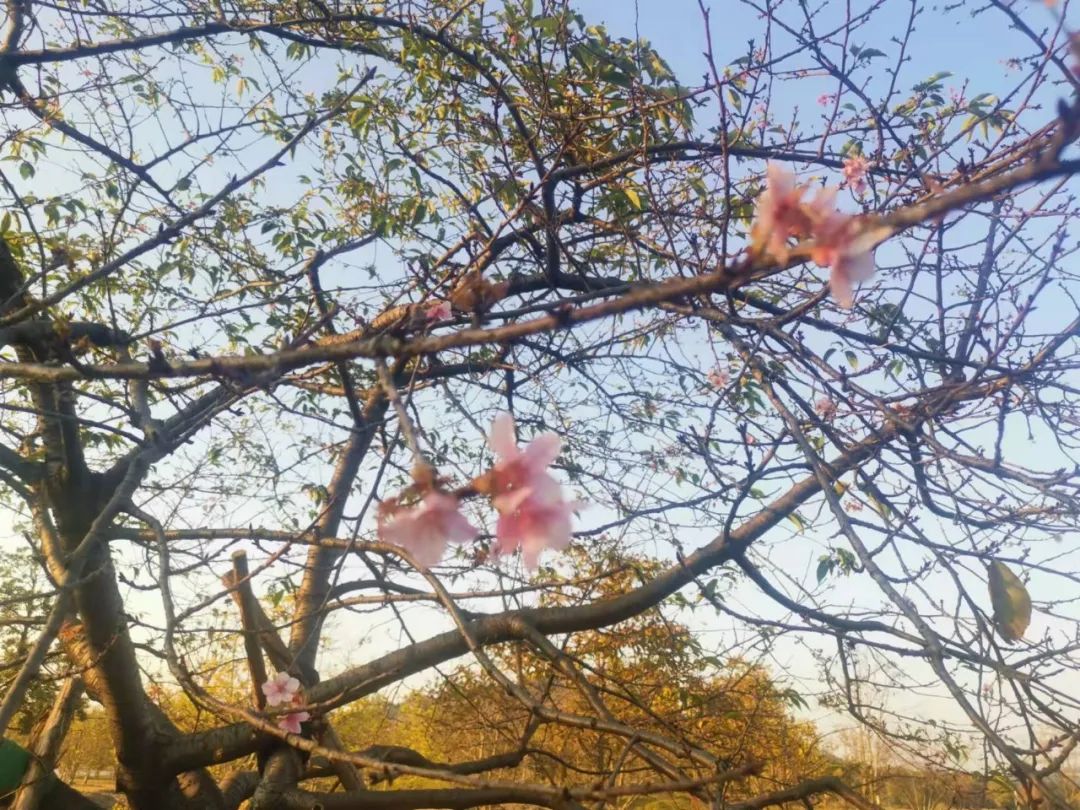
(825, 99)
(532, 524)
(426, 528)
(438, 311)
(855, 171)
(820, 211)
(533, 514)
(281, 689)
(520, 469)
(291, 722)
(778, 214)
(718, 378)
(846, 251)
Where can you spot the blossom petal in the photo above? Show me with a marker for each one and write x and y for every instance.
(502, 439)
(860, 266)
(438, 311)
(779, 179)
(533, 526)
(542, 450)
(425, 529)
(281, 688)
(458, 529)
(428, 551)
(868, 239)
(508, 502)
(840, 285)
(291, 722)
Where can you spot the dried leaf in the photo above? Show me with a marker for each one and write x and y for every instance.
(1011, 602)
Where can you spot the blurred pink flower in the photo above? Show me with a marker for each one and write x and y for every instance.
(841, 242)
(282, 688)
(825, 99)
(291, 722)
(778, 214)
(438, 311)
(426, 528)
(855, 171)
(719, 378)
(533, 515)
(532, 524)
(520, 469)
(846, 251)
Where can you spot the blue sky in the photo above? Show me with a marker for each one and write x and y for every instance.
(967, 46)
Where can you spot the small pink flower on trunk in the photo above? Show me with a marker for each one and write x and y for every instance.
(855, 171)
(281, 689)
(291, 722)
(533, 515)
(426, 528)
(438, 311)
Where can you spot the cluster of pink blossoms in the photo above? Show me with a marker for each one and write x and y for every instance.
(855, 171)
(284, 690)
(839, 241)
(532, 512)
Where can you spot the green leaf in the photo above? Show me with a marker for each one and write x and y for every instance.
(1010, 600)
(824, 567)
(14, 760)
(616, 77)
(26, 170)
(548, 26)
(794, 698)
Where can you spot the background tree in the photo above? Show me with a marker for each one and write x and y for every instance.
(26, 594)
(276, 279)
